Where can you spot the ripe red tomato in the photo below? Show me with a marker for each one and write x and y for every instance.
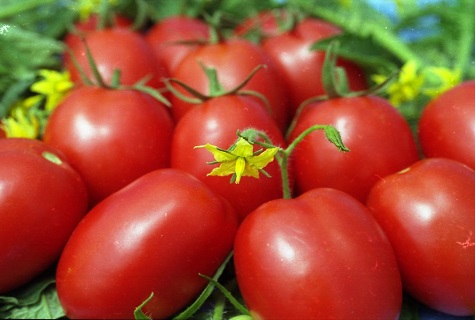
(165, 36)
(428, 214)
(117, 48)
(300, 67)
(81, 28)
(446, 125)
(233, 60)
(216, 122)
(42, 200)
(380, 140)
(155, 235)
(319, 256)
(111, 137)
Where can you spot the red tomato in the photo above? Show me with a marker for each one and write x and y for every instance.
(233, 60)
(165, 35)
(42, 200)
(155, 235)
(83, 27)
(216, 122)
(121, 49)
(380, 140)
(111, 137)
(428, 213)
(319, 256)
(300, 67)
(447, 123)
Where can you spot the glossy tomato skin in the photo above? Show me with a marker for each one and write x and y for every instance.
(234, 60)
(446, 125)
(300, 67)
(165, 36)
(318, 256)
(116, 48)
(216, 122)
(111, 137)
(428, 214)
(379, 138)
(155, 235)
(41, 202)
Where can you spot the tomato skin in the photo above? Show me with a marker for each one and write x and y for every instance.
(145, 239)
(428, 213)
(216, 122)
(117, 48)
(446, 124)
(379, 138)
(290, 50)
(41, 202)
(111, 137)
(318, 256)
(234, 60)
(164, 35)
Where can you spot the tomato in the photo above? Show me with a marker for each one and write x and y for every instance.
(111, 137)
(165, 36)
(155, 235)
(447, 123)
(379, 138)
(301, 67)
(216, 122)
(233, 61)
(81, 28)
(42, 200)
(117, 49)
(318, 256)
(428, 213)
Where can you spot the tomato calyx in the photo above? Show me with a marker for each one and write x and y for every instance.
(335, 83)
(215, 88)
(115, 84)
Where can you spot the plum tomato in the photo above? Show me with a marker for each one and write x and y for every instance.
(301, 67)
(447, 123)
(111, 137)
(42, 199)
(155, 235)
(172, 38)
(216, 122)
(428, 213)
(114, 49)
(379, 138)
(319, 256)
(233, 60)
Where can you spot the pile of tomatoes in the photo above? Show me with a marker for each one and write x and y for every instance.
(117, 195)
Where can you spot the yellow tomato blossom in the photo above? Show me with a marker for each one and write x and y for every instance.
(53, 86)
(407, 86)
(87, 7)
(240, 160)
(21, 124)
(445, 79)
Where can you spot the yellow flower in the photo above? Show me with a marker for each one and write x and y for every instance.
(407, 86)
(240, 160)
(445, 79)
(87, 7)
(53, 86)
(21, 124)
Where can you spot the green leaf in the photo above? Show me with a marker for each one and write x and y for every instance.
(37, 300)
(333, 135)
